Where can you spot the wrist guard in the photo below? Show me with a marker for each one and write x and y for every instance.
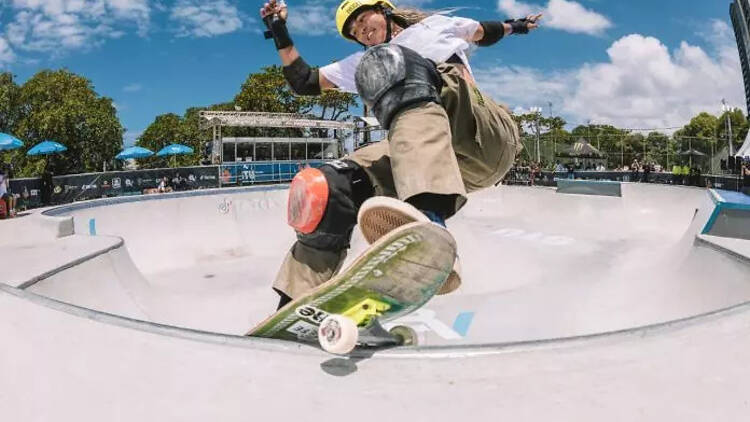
(277, 30)
(302, 78)
(494, 31)
(519, 25)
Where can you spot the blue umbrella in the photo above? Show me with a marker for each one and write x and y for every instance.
(134, 152)
(8, 142)
(47, 148)
(174, 149)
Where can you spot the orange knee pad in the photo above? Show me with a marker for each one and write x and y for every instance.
(308, 199)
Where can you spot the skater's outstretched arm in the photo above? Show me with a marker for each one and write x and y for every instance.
(490, 32)
(303, 79)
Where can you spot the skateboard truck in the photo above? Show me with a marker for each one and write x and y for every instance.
(363, 312)
(339, 334)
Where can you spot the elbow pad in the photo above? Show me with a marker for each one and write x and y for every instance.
(493, 32)
(302, 78)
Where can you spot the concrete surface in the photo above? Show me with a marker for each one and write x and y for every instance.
(573, 308)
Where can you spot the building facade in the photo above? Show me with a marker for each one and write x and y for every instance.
(739, 11)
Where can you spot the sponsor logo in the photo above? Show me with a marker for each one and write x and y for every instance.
(128, 183)
(248, 175)
(311, 314)
(116, 183)
(304, 330)
(225, 206)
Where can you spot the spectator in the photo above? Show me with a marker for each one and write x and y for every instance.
(745, 170)
(164, 185)
(634, 169)
(646, 172)
(179, 183)
(695, 176)
(47, 184)
(5, 195)
(571, 171)
(23, 200)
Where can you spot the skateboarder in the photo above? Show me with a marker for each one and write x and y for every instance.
(445, 137)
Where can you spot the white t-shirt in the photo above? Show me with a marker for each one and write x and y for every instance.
(3, 186)
(437, 38)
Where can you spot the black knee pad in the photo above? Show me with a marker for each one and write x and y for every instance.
(348, 187)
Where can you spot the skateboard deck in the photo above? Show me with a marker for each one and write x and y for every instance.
(396, 275)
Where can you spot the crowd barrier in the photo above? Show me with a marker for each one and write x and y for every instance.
(80, 187)
(547, 178)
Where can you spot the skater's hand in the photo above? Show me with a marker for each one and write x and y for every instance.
(532, 21)
(274, 7)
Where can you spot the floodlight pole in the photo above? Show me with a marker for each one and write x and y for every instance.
(727, 109)
(537, 113)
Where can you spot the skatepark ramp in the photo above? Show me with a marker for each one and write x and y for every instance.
(589, 187)
(137, 305)
(568, 265)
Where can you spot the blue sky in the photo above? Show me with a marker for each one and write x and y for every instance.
(634, 63)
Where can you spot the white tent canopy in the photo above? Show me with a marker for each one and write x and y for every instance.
(744, 150)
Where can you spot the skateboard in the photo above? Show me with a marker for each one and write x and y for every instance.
(395, 276)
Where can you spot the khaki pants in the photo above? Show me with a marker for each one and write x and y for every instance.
(466, 144)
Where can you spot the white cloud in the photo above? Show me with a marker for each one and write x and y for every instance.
(515, 9)
(202, 18)
(413, 3)
(319, 17)
(59, 25)
(312, 19)
(642, 85)
(135, 87)
(565, 15)
(6, 53)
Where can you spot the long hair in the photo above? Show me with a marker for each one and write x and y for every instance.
(406, 17)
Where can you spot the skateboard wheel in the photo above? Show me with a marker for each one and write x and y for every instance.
(406, 335)
(338, 334)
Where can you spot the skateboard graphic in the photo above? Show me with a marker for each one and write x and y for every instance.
(395, 276)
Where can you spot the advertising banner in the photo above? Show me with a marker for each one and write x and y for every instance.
(80, 187)
(263, 172)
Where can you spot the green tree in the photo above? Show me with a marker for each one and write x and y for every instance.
(10, 110)
(267, 91)
(62, 106)
(739, 128)
(700, 133)
(10, 107)
(166, 129)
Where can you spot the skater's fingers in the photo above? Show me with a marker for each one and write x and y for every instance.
(533, 18)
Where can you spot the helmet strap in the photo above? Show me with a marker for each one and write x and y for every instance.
(388, 23)
(388, 14)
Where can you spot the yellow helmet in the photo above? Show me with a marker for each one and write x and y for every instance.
(349, 7)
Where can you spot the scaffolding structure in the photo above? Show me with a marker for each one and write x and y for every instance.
(216, 120)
